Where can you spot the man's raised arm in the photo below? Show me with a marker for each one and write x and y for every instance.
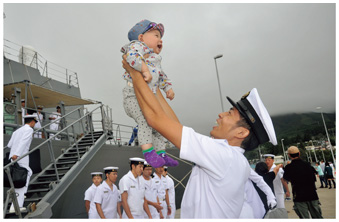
(153, 112)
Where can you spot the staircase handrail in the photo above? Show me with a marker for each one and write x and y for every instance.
(52, 137)
(7, 169)
(62, 117)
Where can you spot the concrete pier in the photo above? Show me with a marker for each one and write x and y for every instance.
(327, 199)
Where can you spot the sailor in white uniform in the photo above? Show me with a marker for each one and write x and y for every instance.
(278, 183)
(171, 193)
(19, 144)
(253, 206)
(217, 183)
(23, 111)
(55, 120)
(162, 187)
(38, 125)
(133, 191)
(151, 192)
(89, 196)
(106, 197)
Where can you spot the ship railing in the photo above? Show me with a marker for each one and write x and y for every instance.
(122, 134)
(87, 117)
(28, 56)
(118, 134)
(45, 128)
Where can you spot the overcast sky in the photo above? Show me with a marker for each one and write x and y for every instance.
(286, 51)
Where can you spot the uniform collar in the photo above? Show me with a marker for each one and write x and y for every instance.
(225, 142)
(131, 176)
(93, 185)
(239, 149)
(106, 186)
(156, 176)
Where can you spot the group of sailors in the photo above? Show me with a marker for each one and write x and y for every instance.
(141, 194)
(54, 117)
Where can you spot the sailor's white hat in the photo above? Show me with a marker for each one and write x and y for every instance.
(165, 167)
(136, 160)
(253, 110)
(111, 169)
(96, 174)
(269, 156)
(147, 164)
(31, 117)
(22, 100)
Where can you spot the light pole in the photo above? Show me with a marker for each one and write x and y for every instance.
(282, 144)
(215, 60)
(329, 142)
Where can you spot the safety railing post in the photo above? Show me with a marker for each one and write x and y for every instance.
(46, 69)
(76, 143)
(103, 119)
(22, 55)
(12, 194)
(36, 60)
(91, 126)
(82, 122)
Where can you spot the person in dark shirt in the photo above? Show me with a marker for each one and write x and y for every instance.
(329, 175)
(261, 168)
(302, 177)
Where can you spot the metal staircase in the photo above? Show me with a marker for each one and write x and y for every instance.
(46, 181)
(47, 186)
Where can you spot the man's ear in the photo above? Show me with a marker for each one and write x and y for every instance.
(242, 132)
(140, 37)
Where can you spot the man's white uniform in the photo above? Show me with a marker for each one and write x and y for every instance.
(150, 195)
(89, 195)
(19, 143)
(23, 113)
(136, 193)
(108, 199)
(253, 206)
(39, 117)
(161, 184)
(217, 183)
(55, 123)
(171, 195)
(278, 187)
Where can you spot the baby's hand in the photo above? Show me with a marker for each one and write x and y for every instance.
(170, 94)
(147, 76)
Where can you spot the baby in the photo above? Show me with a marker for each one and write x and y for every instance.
(143, 55)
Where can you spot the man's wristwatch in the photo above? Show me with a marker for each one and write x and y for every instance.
(168, 206)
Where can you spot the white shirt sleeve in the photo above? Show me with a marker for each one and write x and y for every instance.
(280, 173)
(123, 185)
(98, 195)
(88, 195)
(209, 154)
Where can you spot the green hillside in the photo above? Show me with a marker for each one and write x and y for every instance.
(295, 129)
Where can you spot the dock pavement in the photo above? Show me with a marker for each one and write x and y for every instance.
(327, 199)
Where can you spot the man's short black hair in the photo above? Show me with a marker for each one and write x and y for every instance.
(250, 142)
(135, 164)
(28, 120)
(294, 155)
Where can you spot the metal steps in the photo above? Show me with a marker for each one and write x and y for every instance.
(44, 182)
